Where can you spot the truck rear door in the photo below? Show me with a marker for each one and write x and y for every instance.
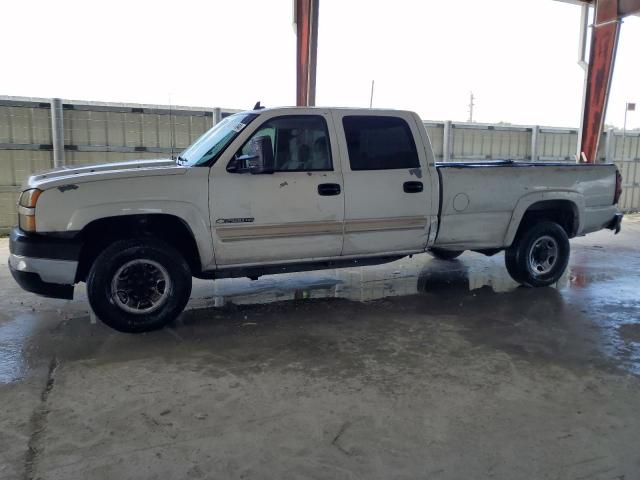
(386, 182)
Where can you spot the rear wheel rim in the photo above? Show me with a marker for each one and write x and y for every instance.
(140, 286)
(543, 255)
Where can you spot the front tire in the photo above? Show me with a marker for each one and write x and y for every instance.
(539, 255)
(138, 285)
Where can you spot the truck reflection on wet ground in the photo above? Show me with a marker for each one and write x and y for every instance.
(583, 320)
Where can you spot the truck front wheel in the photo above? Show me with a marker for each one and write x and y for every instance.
(539, 255)
(138, 285)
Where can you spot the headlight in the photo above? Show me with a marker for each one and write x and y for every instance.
(27, 209)
(29, 198)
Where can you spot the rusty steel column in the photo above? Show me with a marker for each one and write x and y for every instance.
(604, 42)
(306, 21)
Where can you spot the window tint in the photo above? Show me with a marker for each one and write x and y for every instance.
(300, 143)
(379, 143)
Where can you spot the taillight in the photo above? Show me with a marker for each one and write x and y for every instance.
(616, 195)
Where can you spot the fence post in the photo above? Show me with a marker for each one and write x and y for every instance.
(217, 115)
(608, 157)
(446, 142)
(57, 132)
(535, 130)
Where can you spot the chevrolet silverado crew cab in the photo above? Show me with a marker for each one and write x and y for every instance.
(290, 189)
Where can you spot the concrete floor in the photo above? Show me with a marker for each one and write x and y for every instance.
(415, 369)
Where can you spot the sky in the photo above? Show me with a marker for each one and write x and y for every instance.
(519, 57)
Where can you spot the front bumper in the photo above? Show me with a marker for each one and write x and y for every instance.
(43, 264)
(616, 223)
(31, 282)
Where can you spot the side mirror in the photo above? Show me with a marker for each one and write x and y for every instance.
(261, 160)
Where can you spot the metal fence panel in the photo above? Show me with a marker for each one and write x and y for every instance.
(435, 130)
(557, 145)
(626, 146)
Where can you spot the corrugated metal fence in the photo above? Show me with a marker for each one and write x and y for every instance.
(457, 142)
(96, 132)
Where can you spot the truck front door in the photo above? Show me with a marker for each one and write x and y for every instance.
(294, 213)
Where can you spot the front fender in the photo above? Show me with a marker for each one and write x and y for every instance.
(197, 222)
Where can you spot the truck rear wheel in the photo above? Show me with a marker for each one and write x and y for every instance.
(445, 254)
(539, 255)
(138, 285)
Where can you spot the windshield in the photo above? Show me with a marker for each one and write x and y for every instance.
(214, 141)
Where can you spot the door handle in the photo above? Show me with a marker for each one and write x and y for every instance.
(328, 189)
(412, 187)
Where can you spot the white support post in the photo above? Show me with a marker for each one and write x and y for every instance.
(446, 142)
(535, 130)
(608, 154)
(57, 132)
(217, 115)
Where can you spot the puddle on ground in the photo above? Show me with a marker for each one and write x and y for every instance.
(14, 336)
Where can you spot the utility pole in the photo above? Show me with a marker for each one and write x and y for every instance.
(371, 98)
(471, 104)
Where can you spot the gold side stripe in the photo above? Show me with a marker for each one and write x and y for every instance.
(377, 224)
(275, 231)
(319, 228)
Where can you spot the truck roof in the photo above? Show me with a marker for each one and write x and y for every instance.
(325, 108)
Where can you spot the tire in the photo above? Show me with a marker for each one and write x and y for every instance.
(445, 254)
(138, 285)
(539, 255)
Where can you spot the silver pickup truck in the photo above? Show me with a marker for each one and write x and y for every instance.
(290, 189)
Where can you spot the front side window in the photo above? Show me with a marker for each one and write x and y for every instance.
(300, 143)
(211, 144)
(379, 143)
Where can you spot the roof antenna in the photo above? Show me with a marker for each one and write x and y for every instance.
(257, 106)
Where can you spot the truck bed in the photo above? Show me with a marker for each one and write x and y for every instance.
(480, 199)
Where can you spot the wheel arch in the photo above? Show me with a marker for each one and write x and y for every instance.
(561, 207)
(175, 231)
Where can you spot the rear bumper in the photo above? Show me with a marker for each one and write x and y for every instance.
(616, 223)
(43, 264)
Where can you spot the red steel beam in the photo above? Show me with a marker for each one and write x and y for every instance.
(604, 43)
(306, 19)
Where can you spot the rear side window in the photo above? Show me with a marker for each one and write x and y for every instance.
(379, 143)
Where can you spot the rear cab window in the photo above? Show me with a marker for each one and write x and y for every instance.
(379, 143)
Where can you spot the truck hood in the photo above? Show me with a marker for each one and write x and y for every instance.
(69, 175)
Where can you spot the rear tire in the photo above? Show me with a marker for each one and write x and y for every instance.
(138, 285)
(539, 255)
(443, 254)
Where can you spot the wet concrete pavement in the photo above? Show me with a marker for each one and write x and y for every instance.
(415, 369)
